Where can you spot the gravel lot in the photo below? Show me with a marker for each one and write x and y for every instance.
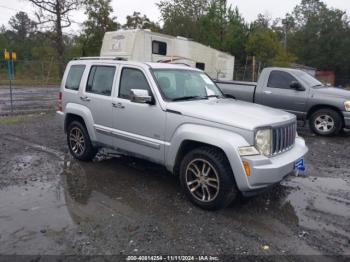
(52, 204)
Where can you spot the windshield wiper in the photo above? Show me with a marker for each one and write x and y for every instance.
(183, 98)
(317, 85)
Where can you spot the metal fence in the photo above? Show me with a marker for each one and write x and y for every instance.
(34, 87)
(32, 73)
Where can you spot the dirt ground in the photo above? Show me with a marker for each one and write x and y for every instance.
(53, 204)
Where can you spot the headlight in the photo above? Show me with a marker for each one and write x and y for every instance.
(263, 141)
(347, 105)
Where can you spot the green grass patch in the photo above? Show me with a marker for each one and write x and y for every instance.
(17, 119)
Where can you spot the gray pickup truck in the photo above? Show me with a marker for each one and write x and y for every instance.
(327, 109)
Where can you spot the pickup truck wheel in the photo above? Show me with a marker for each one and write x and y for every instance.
(207, 178)
(326, 122)
(79, 142)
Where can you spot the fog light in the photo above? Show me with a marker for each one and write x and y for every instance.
(246, 167)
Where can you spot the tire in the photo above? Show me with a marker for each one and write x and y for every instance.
(85, 152)
(326, 122)
(214, 197)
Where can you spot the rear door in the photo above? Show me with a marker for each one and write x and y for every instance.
(97, 96)
(277, 93)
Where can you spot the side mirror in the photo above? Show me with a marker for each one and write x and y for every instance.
(140, 96)
(230, 96)
(297, 86)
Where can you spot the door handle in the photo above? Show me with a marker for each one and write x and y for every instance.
(85, 98)
(118, 105)
(268, 92)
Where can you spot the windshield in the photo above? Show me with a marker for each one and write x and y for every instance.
(180, 84)
(308, 79)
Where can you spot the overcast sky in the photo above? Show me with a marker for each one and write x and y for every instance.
(249, 8)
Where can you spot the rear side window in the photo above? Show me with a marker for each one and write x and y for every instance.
(159, 48)
(280, 79)
(132, 78)
(101, 80)
(74, 77)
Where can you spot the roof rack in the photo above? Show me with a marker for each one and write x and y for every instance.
(100, 58)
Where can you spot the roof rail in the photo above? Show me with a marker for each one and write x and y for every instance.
(100, 58)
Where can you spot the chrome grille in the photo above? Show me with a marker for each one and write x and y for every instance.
(283, 138)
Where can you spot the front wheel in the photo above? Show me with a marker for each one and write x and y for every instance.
(79, 142)
(207, 178)
(326, 122)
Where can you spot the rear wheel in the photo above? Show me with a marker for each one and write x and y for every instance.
(207, 178)
(79, 142)
(326, 122)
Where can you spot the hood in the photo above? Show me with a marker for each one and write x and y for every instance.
(232, 112)
(331, 91)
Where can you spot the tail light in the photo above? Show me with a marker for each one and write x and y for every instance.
(60, 102)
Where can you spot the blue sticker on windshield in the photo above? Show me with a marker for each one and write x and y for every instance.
(299, 165)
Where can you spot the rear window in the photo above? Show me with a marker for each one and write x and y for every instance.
(101, 80)
(74, 77)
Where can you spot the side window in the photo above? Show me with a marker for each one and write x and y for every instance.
(200, 66)
(159, 48)
(132, 79)
(101, 80)
(280, 79)
(74, 77)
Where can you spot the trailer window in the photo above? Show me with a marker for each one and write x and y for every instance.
(159, 48)
(74, 77)
(280, 79)
(200, 66)
(101, 80)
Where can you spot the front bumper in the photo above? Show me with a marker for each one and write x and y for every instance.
(346, 119)
(268, 171)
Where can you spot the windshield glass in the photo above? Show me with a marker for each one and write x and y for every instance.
(308, 79)
(180, 84)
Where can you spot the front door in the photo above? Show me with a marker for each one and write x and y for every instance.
(139, 128)
(277, 93)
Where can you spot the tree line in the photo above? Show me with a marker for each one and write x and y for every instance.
(313, 34)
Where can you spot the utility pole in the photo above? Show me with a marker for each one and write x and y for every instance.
(285, 31)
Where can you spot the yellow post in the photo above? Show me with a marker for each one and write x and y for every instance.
(6, 55)
(13, 56)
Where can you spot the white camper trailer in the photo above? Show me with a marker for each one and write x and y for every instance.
(147, 46)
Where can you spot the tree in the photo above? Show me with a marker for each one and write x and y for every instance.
(22, 25)
(321, 37)
(137, 21)
(99, 21)
(182, 17)
(56, 14)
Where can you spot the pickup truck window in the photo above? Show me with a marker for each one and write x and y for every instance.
(280, 79)
(74, 77)
(132, 78)
(101, 80)
(175, 84)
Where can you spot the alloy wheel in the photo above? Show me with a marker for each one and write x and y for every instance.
(202, 180)
(77, 141)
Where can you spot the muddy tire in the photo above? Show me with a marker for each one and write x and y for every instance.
(79, 142)
(207, 179)
(326, 122)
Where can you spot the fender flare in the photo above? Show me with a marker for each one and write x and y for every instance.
(227, 141)
(84, 113)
